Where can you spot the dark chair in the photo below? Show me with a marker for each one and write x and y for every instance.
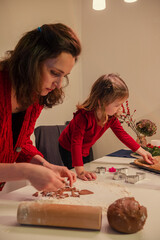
(46, 141)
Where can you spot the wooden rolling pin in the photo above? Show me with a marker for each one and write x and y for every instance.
(59, 215)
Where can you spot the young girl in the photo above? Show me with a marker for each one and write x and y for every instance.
(94, 116)
(31, 77)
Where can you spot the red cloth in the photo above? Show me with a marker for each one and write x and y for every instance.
(83, 131)
(8, 154)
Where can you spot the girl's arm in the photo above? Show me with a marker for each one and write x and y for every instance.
(125, 138)
(79, 126)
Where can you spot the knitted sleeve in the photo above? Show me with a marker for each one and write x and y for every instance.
(28, 150)
(123, 136)
(79, 128)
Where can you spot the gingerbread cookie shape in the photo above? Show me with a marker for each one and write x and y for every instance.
(64, 193)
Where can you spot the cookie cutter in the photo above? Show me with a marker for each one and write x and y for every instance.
(122, 170)
(119, 176)
(141, 175)
(132, 178)
(101, 170)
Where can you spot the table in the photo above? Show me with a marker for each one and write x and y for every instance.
(147, 192)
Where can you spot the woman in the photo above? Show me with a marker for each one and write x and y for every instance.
(32, 77)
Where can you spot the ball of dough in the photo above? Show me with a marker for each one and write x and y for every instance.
(126, 215)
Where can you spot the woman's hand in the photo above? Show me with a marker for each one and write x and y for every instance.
(147, 156)
(60, 171)
(43, 178)
(85, 175)
(63, 172)
(48, 178)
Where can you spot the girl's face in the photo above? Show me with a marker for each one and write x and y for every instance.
(114, 107)
(54, 70)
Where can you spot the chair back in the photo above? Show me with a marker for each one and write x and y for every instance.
(46, 141)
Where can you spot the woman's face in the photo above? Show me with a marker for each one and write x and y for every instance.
(114, 107)
(54, 70)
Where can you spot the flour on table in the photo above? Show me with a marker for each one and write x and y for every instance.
(105, 193)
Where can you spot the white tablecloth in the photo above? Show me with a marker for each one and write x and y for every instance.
(106, 190)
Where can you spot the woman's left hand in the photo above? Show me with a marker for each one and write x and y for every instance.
(147, 156)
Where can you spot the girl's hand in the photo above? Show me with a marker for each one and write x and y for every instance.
(84, 175)
(147, 156)
(87, 176)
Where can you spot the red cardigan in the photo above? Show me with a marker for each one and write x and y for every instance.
(83, 131)
(24, 149)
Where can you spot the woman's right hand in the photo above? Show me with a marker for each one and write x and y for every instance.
(61, 171)
(43, 178)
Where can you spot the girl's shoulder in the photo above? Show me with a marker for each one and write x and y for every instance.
(113, 120)
(83, 118)
(83, 113)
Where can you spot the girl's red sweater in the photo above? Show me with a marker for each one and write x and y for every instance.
(83, 131)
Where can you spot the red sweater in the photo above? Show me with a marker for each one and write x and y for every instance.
(83, 131)
(8, 154)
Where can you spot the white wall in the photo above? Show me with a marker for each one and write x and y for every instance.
(125, 39)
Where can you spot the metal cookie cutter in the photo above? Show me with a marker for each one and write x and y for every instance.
(119, 176)
(122, 170)
(141, 175)
(132, 178)
(101, 170)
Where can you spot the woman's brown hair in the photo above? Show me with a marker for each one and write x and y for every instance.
(23, 63)
(105, 91)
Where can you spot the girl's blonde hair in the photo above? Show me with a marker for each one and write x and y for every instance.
(105, 91)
